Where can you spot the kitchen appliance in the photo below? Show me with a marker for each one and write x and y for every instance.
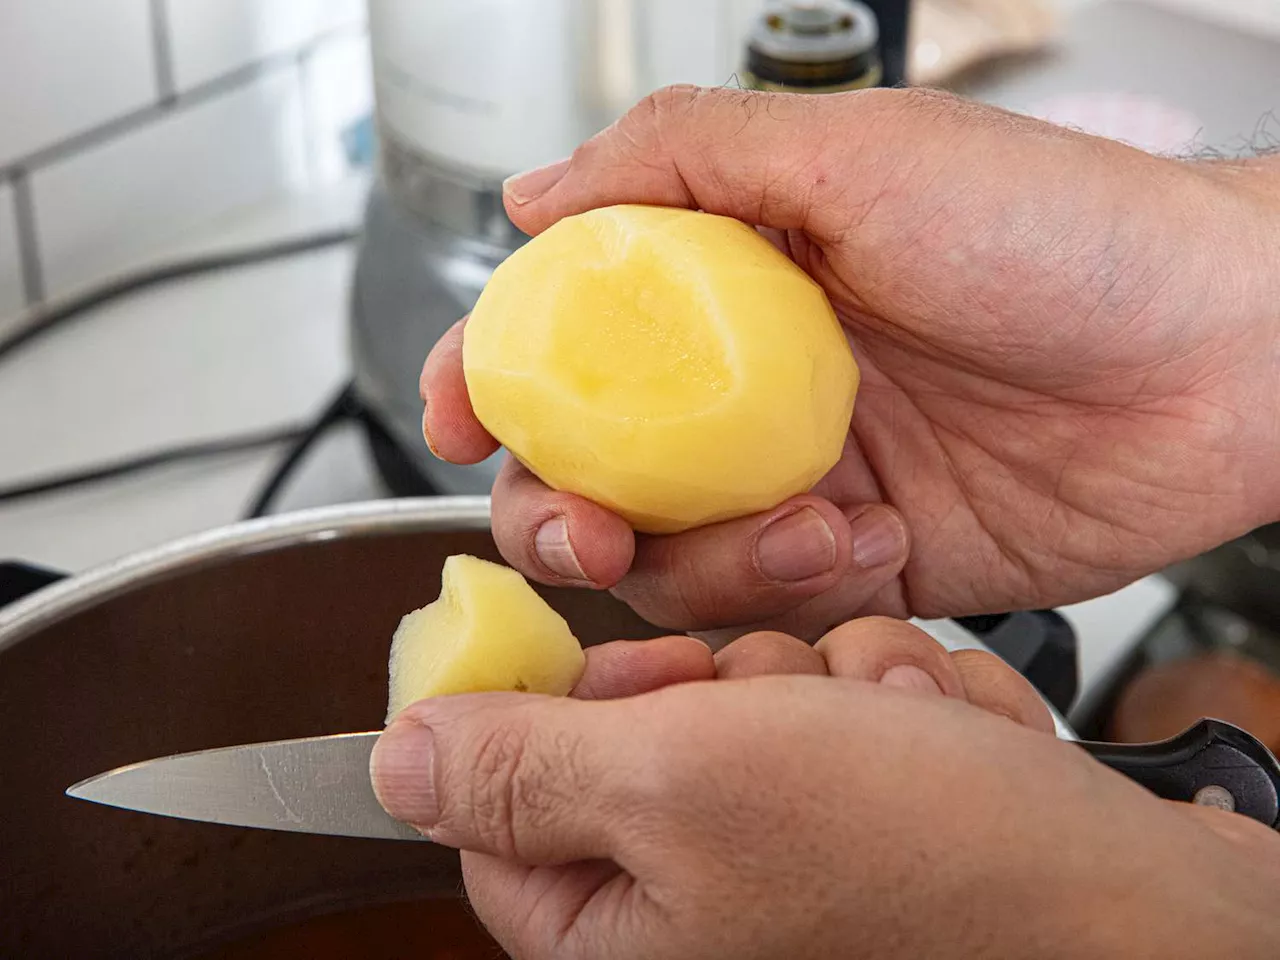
(471, 93)
(273, 628)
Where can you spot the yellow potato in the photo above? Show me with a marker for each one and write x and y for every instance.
(488, 631)
(670, 365)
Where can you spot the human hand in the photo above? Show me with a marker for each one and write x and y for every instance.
(815, 817)
(1067, 351)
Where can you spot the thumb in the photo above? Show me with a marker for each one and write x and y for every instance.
(531, 779)
(786, 161)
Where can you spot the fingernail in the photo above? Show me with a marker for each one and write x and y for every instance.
(526, 187)
(402, 769)
(797, 547)
(877, 538)
(905, 676)
(555, 551)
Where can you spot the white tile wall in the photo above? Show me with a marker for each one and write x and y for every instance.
(68, 65)
(11, 298)
(115, 205)
(338, 84)
(210, 38)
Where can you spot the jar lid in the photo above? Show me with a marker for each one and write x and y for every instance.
(815, 31)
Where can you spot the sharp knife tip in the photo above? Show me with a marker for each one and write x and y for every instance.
(80, 791)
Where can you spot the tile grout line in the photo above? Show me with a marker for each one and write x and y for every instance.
(24, 215)
(162, 50)
(209, 90)
(310, 136)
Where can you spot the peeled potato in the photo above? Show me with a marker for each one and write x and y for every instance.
(488, 631)
(670, 365)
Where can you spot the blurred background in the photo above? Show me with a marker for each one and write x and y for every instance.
(230, 231)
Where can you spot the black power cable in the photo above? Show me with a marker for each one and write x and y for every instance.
(345, 406)
(54, 313)
(149, 461)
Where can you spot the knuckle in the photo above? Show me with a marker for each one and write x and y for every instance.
(490, 803)
(695, 599)
(644, 127)
(549, 780)
(899, 628)
(520, 786)
(662, 104)
(676, 594)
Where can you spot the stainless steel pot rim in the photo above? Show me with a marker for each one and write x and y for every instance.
(57, 601)
(67, 597)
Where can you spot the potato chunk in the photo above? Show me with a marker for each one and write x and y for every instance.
(670, 365)
(488, 631)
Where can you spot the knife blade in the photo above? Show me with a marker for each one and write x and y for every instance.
(321, 785)
(313, 785)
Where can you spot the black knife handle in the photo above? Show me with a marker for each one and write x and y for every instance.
(1211, 762)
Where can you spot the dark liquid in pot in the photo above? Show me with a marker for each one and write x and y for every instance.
(441, 929)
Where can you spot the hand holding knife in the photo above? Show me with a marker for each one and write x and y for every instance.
(321, 785)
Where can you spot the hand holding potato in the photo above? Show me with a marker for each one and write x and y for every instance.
(1064, 346)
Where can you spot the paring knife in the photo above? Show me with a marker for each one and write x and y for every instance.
(321, 785)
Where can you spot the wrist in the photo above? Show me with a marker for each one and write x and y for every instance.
(1238, 221)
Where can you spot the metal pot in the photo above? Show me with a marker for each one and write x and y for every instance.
(269, 629)
(276, 628)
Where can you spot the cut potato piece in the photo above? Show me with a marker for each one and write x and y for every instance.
(670, 365)
(488, 631)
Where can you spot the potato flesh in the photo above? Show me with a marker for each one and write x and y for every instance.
(488, 631)
(670, 365)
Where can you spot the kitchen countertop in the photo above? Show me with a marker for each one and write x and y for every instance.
(229, 353)
(242, 350)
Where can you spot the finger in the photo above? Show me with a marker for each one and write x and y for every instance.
(557, 538)
(495, 890)
(535, 780)
(996, 687)
(767, 159)
(893, 653)
(531, 911)
(449, 424)
(767, 653)
(755, 568)
(627, 668)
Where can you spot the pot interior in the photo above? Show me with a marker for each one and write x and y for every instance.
(285, 642)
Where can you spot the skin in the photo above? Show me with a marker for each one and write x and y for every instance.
(873, 797)
(1067, 348)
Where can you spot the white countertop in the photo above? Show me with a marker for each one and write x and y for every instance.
(197, 359)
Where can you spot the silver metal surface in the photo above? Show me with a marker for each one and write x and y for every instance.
(260, 632)
(1227, 78)
(23, 618)
(312, 785)
(1215, 796)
